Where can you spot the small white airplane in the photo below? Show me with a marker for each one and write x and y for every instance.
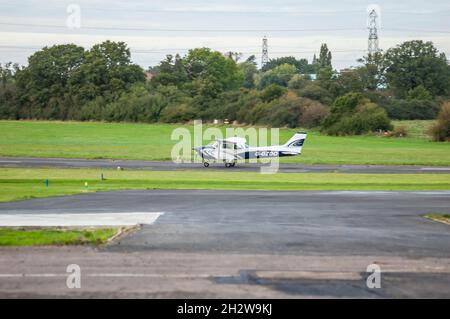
(234, 149)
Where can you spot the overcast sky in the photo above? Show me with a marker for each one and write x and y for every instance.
(155, 28)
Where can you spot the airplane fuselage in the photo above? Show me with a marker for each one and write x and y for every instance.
(235, 149)
(211, 153)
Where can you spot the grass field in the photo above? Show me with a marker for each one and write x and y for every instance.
(54, 237)
(416, 129)
(153, 142)
(18, 184)
(439, 218)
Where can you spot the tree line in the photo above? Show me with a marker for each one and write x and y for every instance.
(68, 82)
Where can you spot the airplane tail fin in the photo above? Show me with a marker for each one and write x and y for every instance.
(296, 142)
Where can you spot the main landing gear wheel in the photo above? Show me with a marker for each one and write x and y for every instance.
(206, 164)
(228, 165)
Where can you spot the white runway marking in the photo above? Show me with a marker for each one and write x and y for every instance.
(75, 220)
(113, 275)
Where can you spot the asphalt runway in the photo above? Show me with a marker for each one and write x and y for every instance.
(331, 223)
(246, 244)
(241, 167)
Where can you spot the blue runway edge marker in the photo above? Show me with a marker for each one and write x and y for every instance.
(46, 183)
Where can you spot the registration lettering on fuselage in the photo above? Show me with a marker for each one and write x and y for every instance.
(266, 154)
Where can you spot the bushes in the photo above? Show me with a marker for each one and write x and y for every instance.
(399, 131)
(419, 93)
(288, 110)
(139, 104)
(178, 114)
(298, 82)
(280, 75)
(441, 130)
(8, 101)
(419, 105)
(313, 113)
(352, 114)
(272, 92)
(315, 92)
(226, 105)
(92, 110)
(412, 109)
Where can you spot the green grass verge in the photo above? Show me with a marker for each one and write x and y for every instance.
(439, 218)
(54, 237)
(416, 129)
(153, 142)
(18, 184)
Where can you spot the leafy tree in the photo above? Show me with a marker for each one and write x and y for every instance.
(368, 77)
(272, 92)
(143, 103)
(280, 75)
(170, 71)
(288, 110)
(60, 79)
(211, 66)
(416, 63)
(43, 87)
(107, 71)
(249, 69)
(7, 72)
(49, 73)
(313, 113)
(8, 95)
(235, 56)
(372, 72)
(326, 78)
(325, 57)
(419, 93)
(179, 113)
(441, 130)
(229, 103)
(353, 114)
(294, 111)
(298, 82)
(68, 82)
(350, 80)
(412, 109)
(316, 92)
(302, 65)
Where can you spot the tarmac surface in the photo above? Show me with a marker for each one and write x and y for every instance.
(240, 167)
(244, 244)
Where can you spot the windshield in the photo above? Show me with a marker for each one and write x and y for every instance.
(213, 144)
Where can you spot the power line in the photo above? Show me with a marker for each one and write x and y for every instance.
(416, 30)
(164, 50)
(228, 48)
(216, 30)
(270, 11)
(176, 30)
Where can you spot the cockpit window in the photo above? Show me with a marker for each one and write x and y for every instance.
(229, 146)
